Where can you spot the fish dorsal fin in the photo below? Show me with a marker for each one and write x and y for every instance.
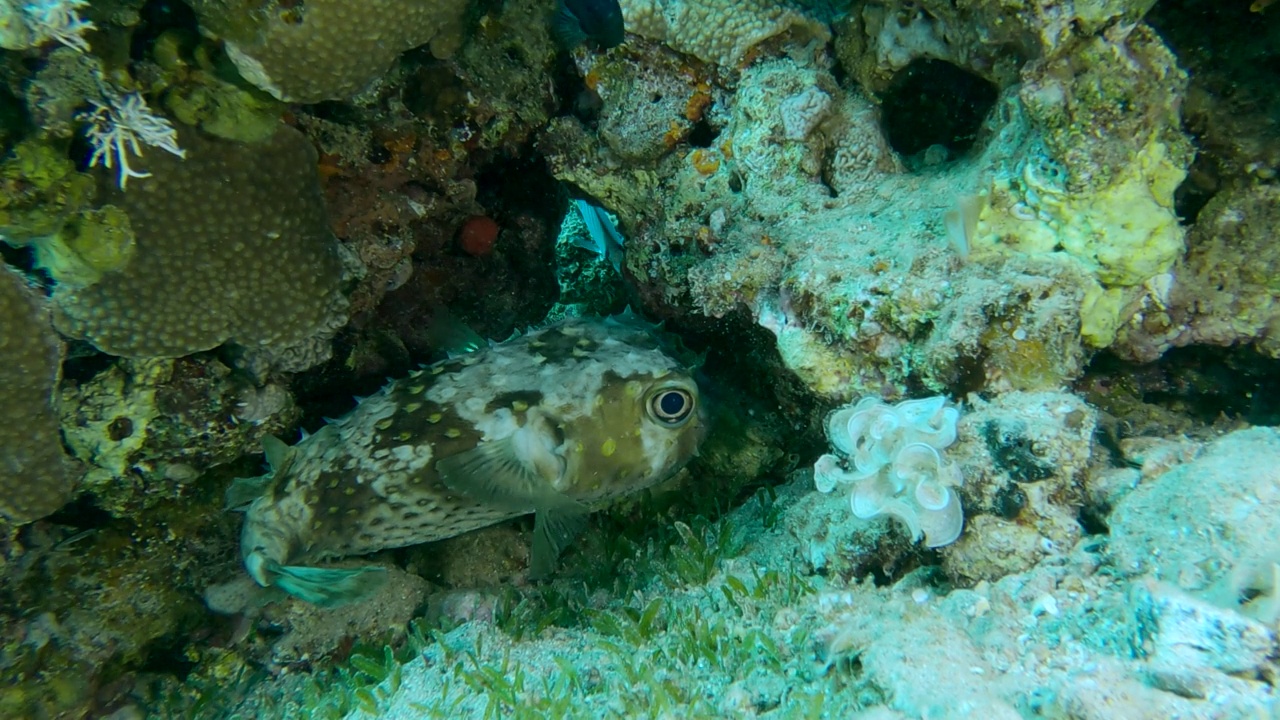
(519, 472)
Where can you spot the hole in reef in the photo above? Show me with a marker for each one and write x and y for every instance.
(703, 134)
(84, 362)
(157, 17)
(1204, 383)
(82, 514)
(933, 107)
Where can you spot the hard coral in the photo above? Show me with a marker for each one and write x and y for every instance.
(719, 31)
(897, 465)
(232, 245)
(327, 49)
(35, 477)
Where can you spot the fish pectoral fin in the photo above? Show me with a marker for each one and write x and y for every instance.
(329, 587)
(553, 529)
(243, 491)
(511, 474)
(279, 455)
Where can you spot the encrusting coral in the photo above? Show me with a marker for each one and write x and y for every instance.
(898, 469)
(35, 477)
(232, 245)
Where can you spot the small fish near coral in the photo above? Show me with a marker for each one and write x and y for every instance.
(556, 422)
(600, 21)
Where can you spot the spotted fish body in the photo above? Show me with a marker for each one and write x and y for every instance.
(555, 422)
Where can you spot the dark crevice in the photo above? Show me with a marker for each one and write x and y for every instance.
(933, 110)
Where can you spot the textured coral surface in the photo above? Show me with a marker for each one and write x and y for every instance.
(233, 246)
(327, 49)
(35, 476)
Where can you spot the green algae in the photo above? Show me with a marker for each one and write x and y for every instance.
(39, 189)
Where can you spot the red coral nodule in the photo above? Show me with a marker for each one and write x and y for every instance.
(478, 235)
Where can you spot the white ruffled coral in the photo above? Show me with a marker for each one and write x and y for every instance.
(897, 466)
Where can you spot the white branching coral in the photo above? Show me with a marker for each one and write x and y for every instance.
(33, 23)
(122, 125)
(897, 465)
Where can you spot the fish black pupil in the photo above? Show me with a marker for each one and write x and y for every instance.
(672, 404)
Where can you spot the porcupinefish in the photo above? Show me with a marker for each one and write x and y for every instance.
(556, 422)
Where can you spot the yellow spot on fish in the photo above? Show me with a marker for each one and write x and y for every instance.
(599, 402)
(353, 511)
(416, 389)
(519, 406)
(316, 525)
(413, 407)
(333, 483)
(580, 353)
(434, 418)
(633, 388)
(583, 343)
(470, 360)
(333, 509)
(453, 433)
(537, 343)
(349, 491)
(609, 447)
(404, 436)
(437, 369)
(383, 424)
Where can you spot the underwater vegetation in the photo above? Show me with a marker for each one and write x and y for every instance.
(639, 358)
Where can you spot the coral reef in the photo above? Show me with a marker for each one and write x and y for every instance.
(1223, 517)
(842, 247)
(1224, 291)
(327, 49)
(223, 269)
(238, 214)
(37, 477)
(719, 31)
(147, 430)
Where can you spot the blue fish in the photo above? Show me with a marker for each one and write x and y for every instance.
(600, 21)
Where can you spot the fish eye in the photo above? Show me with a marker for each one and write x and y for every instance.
(671, 406)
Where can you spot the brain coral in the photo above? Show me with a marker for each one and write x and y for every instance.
(35, 477)
(719, 31)
(326, 49)
(232, 245)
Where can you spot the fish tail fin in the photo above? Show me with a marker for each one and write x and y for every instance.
(329, 587)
